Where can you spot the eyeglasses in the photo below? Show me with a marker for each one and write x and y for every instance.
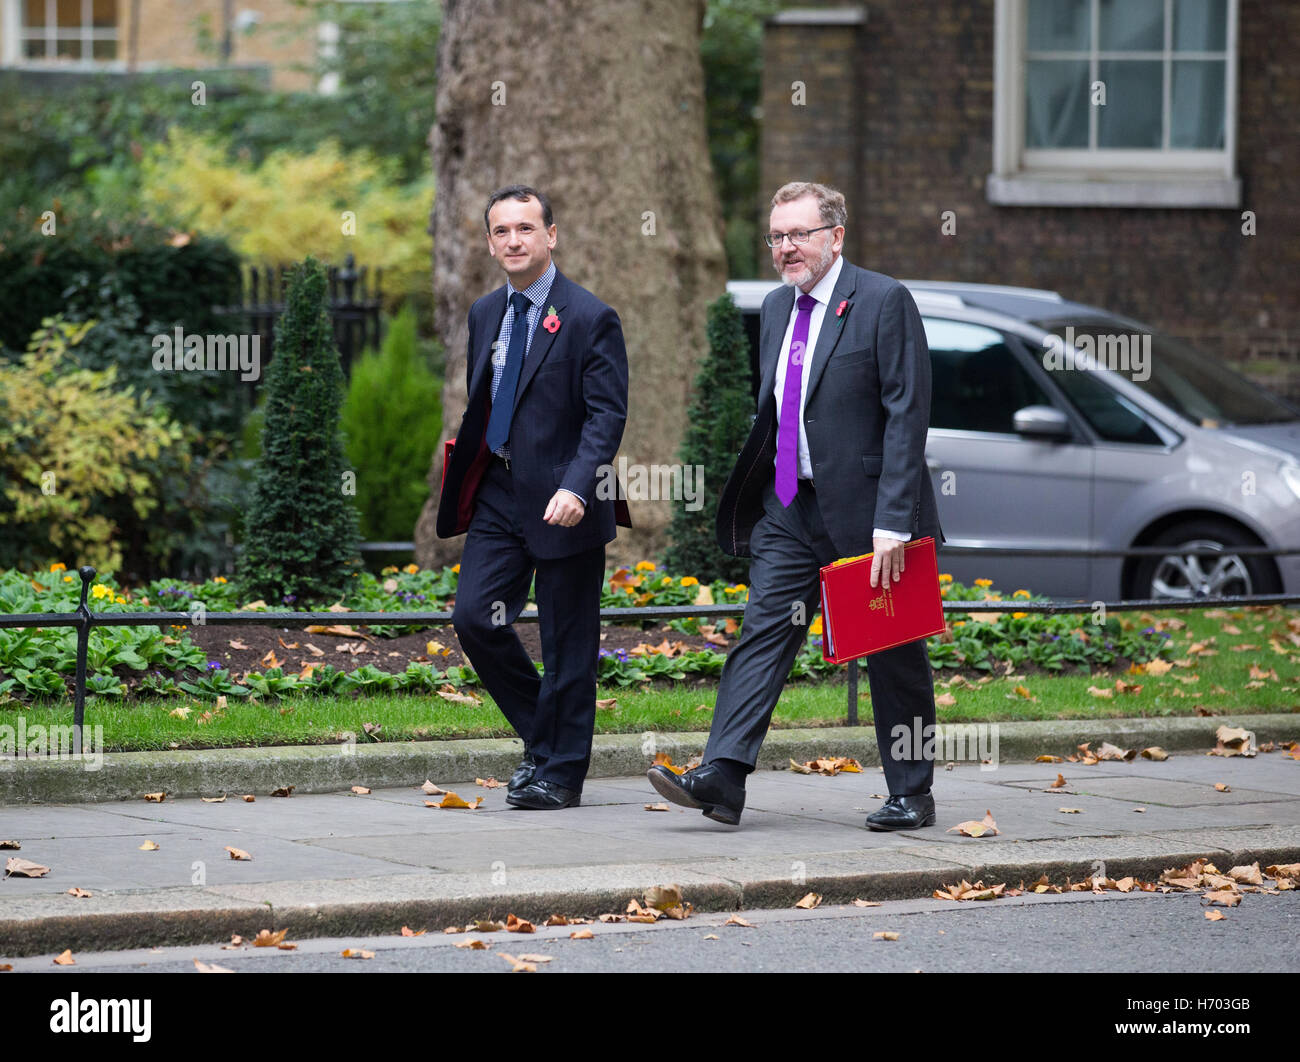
(773, 239)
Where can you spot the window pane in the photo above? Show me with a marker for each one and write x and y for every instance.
(33, 49)
(1132, 25)
(1132, 115)
(976, 382)
(104, 14)
(1196, 110)
(1200, 25)
(1058, 25)
(1056, 104)
(69, 14)
(68, 49)
(34, 14)
(104, 49)
(1113, 417)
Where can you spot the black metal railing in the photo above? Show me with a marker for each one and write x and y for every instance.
(84, 620)
(355, 298)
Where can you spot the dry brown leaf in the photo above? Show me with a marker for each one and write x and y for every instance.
(452, 800)
(149, 846)
(266, 939)
(79, 893)
(339, 629)
(214, 800)
(945, 700)
(1155, 752)
(581, 934)
(1222, 788)
(662, 759)
(1098, 691)
(65, 959)
(360, 790)
(607, 704)
(663, 897)
(1049, 759)
(736, 920)
(534, 958)
(556, 920)
(283, 791)
(1215, 916)
(486, 926)
(810, 901)
(10, 844)
(1283, 870)
(1113, 752)
(1248, 875)
(1233, 741)
(973, 828)
(155, 798)
(210, 967)
(407, 931)
(432, 790)
(25, 868)
(517, 964)
(357, 953)
(1060, 781)
(472, 945)
(865, 903)
(249, 798)
(238, 853)
(1226, 897)
(236, 941)
(519, 925)
(1070, 811)
(657, 807)
(489, 783)
(884, 934)
(454, 696)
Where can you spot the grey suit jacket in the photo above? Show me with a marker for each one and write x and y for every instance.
(866, 415)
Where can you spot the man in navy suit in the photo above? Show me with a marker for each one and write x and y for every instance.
(546, 376)
(834, 467)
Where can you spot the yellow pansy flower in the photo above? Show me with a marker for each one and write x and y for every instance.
(411, 569)
(1022, 593)
(100, 590)
(645, 566)
(945, 578)
(67, 578)
(456, 568)
(984, 582)
(1019, 615)
(58, 567)
(816, 626)
(690, 580)
(665, 580)
(219, 579)
(960, 623)
(120, 600)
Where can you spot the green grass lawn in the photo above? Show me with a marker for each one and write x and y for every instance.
(1218, 679)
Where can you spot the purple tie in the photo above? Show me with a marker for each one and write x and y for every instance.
(787, 439)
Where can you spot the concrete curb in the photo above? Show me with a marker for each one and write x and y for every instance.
(378, 906)
(334, 768)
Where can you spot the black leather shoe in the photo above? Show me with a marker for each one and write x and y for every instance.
(542, 795)
(704, 788)
(903, 813)
(524, 773)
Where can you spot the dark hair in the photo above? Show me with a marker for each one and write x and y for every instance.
(522, 193)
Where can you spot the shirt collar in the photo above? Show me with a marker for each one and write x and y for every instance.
(824, 288)
(537, 291)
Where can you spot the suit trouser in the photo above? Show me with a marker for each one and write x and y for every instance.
(554, 713)
(789, 546)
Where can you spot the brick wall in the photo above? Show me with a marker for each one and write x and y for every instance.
(900, 117)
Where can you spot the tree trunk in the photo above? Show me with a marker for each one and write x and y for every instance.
(599, 104)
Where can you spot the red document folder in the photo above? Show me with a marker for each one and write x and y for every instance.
(858, 620)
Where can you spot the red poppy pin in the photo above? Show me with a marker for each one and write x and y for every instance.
(839, 310)
(551, 322)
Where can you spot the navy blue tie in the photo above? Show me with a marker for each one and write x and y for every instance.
(503, 404)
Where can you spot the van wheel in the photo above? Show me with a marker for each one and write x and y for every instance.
(1175, 575)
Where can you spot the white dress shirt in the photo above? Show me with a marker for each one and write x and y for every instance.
(822, 292)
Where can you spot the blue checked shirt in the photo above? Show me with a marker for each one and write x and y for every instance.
(536, 294)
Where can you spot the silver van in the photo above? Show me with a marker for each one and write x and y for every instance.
(1054, 424)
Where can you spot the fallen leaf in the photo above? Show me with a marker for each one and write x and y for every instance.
(486, 926)
(452, 800)
(342, 630)
(1060, 781)
(236, 941)
(431, 789)
(214, 800)
(1233, 741)
(1283, 870)
(266, 939)
(663, 897)
(350, 953)
(519, 925)
(488, 783)
(736, 920)
(407, 931)
(1158, 667)
(1155, 752)
(180, 713)
(581, 934)
(65, 959)
(472, 945)
(556, 920)
(945, 700)
(1222, 788)
(1049, 759)
(249, 798)
(25, 868)
(1248, 875)
(1097, 691)
(1113, 752)
(11, 844)
(519, 966)
(884, 935)
(1215, 916)
(148, 846)
(865, 903)
(713, 936)
(360, 790)
(662, 759)
(156, 798)
(454, 696)
(534, 958)
(1139, 810)
(1226, 897)
(607, 704)
(79, 893)
(238, 853)
(210, 967)
(657, 807)
(810, 901)
(1070, 811)
(972, 828)
(283, 791)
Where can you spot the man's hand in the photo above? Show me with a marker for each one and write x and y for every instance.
(566, 510)
(888, 560)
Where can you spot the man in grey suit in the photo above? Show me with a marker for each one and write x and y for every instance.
(834, 467)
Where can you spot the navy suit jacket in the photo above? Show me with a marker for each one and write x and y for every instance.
(569, 413)
(866, 415)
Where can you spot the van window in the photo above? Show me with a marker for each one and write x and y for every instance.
(976, 381)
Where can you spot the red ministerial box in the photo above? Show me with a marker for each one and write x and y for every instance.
(858, 620)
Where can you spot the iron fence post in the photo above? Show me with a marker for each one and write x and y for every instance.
(853, 693)
(84, 622)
